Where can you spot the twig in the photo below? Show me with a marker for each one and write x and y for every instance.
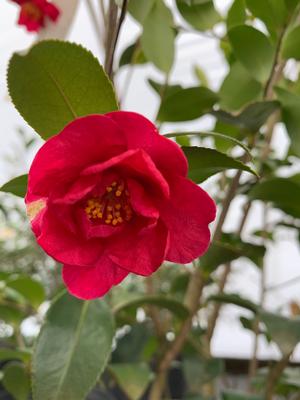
(274, 376)
(226, 205)
(193, 295)
(283, 284)
(112, 16)
(211, 323)
(254, 362)
(113, 34)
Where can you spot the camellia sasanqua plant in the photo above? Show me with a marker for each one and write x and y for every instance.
(139, 257)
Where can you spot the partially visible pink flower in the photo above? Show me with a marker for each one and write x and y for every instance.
(109, 196)
(34, 13)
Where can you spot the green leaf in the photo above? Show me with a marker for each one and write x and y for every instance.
(133, 379)
(56, 82)
(132, 55)
(227, 130)
(139, 9)
(198, 371)
(228, 249)
(215, 135)
(164, 91)
(131, 346)
(236, 14)
(285, 332)
(204, 162)
(158, 37)
(200, 75)
(187, 104)
(72, 349)
(251, 325)
(291, 5)
(8, 354)
(254, 50)
(252, 118)
(16, 381)
(201, 15)
(291, 117)
(272, 12)
(291, 44)
(17, 186)
(170, 304)
(31, 289)
(236, 299)
(11, 314)
(234, 97)
(284, 193)
(232, 395)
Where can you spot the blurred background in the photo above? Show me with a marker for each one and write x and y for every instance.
(19, 144)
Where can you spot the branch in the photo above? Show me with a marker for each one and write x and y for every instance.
(113, 34)
(274, 376)
(193, 295)
(254, 362)
(110, 38)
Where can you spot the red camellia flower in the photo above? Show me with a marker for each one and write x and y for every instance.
(109, 196)
(34, 13)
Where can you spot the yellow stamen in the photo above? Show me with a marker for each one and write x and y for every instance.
(108, 207)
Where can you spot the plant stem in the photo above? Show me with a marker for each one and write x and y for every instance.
(113, 33)
(274, 376)
(226, 205)
(192, 297)
(254, 362)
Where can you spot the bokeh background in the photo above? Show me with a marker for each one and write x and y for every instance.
(283, 257)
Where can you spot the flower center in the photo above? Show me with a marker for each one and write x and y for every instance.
(113, 208)
(32, 11)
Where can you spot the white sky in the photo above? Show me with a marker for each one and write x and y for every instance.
(283, 257)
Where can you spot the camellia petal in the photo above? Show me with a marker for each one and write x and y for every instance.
(91, 282)
(187, 216)
(85, 140)
(141, 252)
(140, 200)
(64, 246)
(142, 134)
(136, 164)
